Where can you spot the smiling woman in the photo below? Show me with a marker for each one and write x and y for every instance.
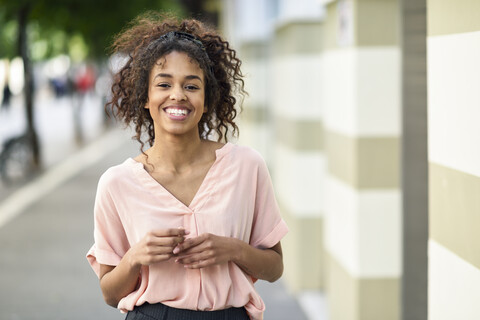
(176, 95)
(184, 229)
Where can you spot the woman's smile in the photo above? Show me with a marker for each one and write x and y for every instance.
(177, 113)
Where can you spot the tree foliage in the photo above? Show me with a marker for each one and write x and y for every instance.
(54, 26)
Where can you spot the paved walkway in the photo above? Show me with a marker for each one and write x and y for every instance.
(45, 230)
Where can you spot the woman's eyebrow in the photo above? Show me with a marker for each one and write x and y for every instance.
(167, 75)
(192, 77)
(163, 75)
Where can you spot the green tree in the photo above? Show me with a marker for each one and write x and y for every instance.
(57, 22)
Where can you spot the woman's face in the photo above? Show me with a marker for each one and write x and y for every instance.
(176, 95)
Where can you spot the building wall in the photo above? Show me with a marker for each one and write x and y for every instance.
(299, 160)
(414, 160)
(361, 101)
(454, 158)
(324, 108)
(248, 27)
(280, 43)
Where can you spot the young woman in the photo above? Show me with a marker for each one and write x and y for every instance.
(183, 230)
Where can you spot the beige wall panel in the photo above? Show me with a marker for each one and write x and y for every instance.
(342, 152)
(379, 299)
(254, 113)
(360, 299)
(341, 290)
(364, 163)
(377, 22)
(331, 27)
(300, 135)
(448, 17)
(455, 211)
(378, 162)
(296, 37)
(303, 251)
(252, 50)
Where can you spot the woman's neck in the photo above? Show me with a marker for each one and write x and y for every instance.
(176, 153)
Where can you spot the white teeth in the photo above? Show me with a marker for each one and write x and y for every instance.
(177, 112)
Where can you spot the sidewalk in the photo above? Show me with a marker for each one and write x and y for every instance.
(54, 123)
(48, 229)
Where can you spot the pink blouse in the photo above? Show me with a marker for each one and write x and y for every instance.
(236, 199)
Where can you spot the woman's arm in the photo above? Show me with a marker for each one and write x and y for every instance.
(118, 281)
(265, 264)
(208, 249)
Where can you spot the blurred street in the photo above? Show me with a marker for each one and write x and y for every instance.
(47, 224)
(54, 122)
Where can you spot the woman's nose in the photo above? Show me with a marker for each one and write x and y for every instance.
(177, 94)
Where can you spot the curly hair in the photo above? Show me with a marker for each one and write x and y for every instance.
(144, 42)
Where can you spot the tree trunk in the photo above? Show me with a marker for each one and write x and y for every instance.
(28, 73)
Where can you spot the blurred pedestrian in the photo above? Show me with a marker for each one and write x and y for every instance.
(184, 229)
(7, 94)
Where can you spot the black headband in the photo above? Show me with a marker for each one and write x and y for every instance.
(183, 36)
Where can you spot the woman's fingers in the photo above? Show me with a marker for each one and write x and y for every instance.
(158, 245)
(205, 250)
(188, 246)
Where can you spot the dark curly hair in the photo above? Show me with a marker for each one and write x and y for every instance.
(145, 41)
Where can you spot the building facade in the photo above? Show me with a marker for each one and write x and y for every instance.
(372, 145)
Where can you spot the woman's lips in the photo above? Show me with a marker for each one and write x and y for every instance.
(177, 113)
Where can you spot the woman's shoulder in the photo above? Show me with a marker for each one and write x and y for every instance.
(246, 154)
(117, 172)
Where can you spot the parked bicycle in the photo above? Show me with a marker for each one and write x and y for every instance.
(17, 160)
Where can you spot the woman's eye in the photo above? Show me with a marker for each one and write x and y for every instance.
(191, 87)
(163, 85)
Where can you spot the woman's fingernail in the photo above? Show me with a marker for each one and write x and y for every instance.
(176, 250)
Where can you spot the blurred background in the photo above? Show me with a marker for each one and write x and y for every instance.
(371, 140)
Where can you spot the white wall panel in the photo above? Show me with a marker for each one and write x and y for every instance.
(256, 82)
(299, 179)
(363, 229)
(361, 95)
(454, 101)
(341, 223)
(378, 91)
(453, 286)
(298, 86)
(380, 239)
(339, 91)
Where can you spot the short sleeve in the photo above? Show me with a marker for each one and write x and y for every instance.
(111, 242)
(268, 227)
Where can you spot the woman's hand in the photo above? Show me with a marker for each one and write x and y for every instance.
(118, 281)
(206, 250)
(156, 246)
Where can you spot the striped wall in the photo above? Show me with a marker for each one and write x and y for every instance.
(454, 159)
(299, 161)
(361, 117)
(255, 119)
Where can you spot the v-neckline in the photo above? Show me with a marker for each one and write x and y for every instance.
(202, 191)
